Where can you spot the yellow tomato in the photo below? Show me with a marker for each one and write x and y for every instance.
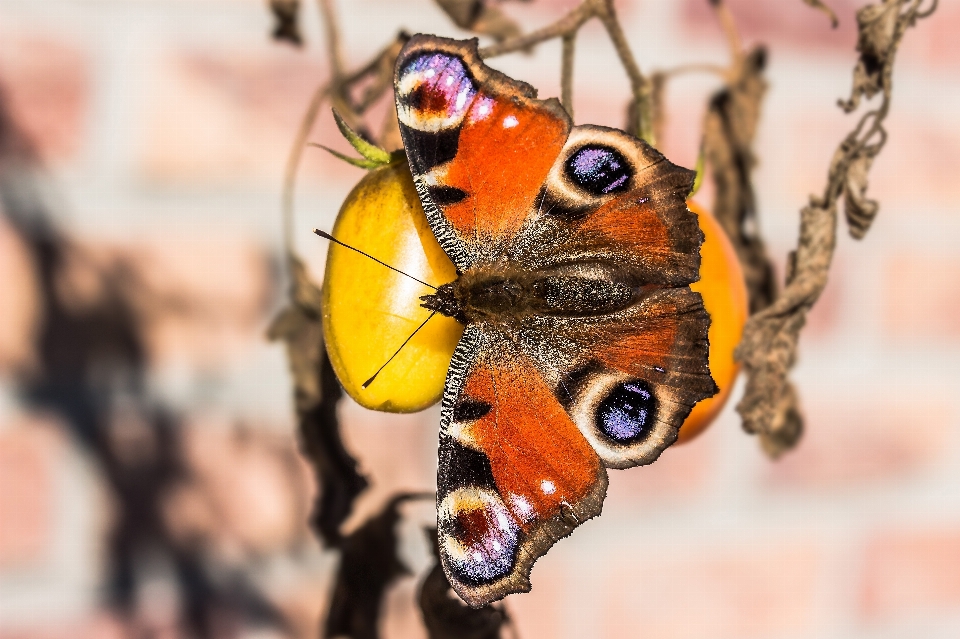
(725, 298)
(369, 310)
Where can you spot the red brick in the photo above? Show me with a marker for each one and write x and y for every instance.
(248, 493)
(728, 591)
(30, 451)
(866, 438)
(98, 625)
(226, 117)
(544, 611)
(21, 302)
(401, 615)
(910, 572)
(47, 80)
(203, 297)
(681, 472)
(921, 297)
(398, 453)
(936, 38)
(775, 23)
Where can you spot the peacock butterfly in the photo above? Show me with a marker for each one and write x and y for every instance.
(583, 346)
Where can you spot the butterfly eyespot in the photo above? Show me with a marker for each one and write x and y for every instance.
(434, 92)
(628, 412)
(470, 410)
(598, 170)
(479, 534)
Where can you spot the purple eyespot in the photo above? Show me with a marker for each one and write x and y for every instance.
(479, 535)
(628, 413)
(598, 169)
(437, 85)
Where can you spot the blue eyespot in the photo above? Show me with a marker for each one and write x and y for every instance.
(598, 169)
(628, 413)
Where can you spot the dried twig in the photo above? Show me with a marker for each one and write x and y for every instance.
(769, 345)
(565, 28)
(818, 4)
(566, 72)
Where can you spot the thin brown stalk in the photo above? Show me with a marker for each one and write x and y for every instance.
(332, 30)
(566, 72)
(293, 163)
(567, 24)
(729, 27)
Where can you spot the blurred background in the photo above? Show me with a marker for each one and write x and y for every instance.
(150, 480)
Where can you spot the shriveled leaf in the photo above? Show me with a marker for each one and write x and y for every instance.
(480, 17)
(286, 26)
(859, 209)
(444, 613)
(877, 24)
(819, 5)
(729, 131)
(368, 565)
(370, 151)
(317, 393)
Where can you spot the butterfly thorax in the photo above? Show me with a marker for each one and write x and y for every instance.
(501, 293)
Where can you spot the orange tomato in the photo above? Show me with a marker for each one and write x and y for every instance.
(725, 298)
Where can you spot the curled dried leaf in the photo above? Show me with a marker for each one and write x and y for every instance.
(286, 26)
(859, 209)
(368, 565)
(767, 349)
(728, 134)
(876, 43)
(316, 393)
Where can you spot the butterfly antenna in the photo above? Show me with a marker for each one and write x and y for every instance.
(374, 376)
(327, 236)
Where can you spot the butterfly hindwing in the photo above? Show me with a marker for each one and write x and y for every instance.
(515, 473)
(627, 379)
(480, 145)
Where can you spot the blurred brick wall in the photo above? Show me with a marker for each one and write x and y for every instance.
(165, 124)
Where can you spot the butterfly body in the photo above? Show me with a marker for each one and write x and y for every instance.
(583, 346)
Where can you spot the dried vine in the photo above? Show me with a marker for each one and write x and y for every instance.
(769, 407)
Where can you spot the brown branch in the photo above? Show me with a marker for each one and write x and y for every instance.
(569, 23)
(639, 85)
(729, 27)
(819, 5)
(566, 27)
(768, 349)
(332, 31)
(566, 72)
(290, 171)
